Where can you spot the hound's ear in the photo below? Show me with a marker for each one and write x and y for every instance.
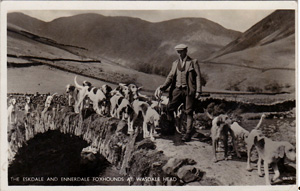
(219, 121)
(130, 110)
(259, 141)
(151, 119)
(246, 135)
(144, 108)
(139, 88)
(280, 151)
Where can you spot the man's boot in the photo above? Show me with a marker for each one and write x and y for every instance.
(189, 128)
(171, 123)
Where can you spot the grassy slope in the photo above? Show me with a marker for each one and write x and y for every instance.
(279, 54)
(20, 45)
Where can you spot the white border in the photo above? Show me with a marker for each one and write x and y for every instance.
(7, 6)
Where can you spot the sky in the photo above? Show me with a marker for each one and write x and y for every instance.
(239, 20)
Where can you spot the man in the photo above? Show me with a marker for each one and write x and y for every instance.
(184, 81)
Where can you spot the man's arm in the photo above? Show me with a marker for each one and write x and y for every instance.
(169, 79)
(198, 77)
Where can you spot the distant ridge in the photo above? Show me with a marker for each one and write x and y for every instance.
(278, 25)
(131, 41)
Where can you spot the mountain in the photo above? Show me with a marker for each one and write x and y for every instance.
(261, 59)
(131, 41)
(278, 25)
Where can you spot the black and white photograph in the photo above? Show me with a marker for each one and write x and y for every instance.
(168, 97)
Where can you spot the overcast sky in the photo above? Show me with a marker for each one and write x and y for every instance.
(239, 20)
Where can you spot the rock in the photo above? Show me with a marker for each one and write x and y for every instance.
(189, 174)
(127, 155)
(174, 164)
(122, 127)
(88, 154)
(146, 144)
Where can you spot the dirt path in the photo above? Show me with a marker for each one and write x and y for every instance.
(232, 172)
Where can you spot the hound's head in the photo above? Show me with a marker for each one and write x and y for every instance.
(124, 89)
(164, 100)
(222, 119)
(104, 107)
(13, 101)
(220, 122)
(126, 110)
(49, 99)
(87, 103)
(156, 119)
(134, 90)
(70, 88)
(28, 99)
(86, 83)
(106, 89)
(286, 149)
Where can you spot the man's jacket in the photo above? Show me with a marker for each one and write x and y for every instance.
(193, 77)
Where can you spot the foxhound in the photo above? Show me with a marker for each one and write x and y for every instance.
(220, 129)
(11, 110)
(271, 152)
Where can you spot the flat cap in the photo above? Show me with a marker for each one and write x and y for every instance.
(180, 47)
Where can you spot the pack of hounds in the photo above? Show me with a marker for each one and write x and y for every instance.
(125, 102)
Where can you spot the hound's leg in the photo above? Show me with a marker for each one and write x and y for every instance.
(129, 124)
(112, 110)
(145, 134)
(70, 97)
(266, 168)
(214, 142)
(9, 117)
(151, 132)
(235, 144)
(225, 143)
(77, 106)
(248, 159)
(81, 107)
(259, 166)
(277, 173)
(95, 107)
(130, 127)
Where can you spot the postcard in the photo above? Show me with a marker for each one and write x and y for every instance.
(148, 95)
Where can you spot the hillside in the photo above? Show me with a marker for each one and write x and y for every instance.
(278, 25)
(261, 59)
(130, 41)
(25, 54)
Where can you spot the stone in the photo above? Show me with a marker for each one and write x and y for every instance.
(189, 174)
(88, 154)
(174, 164)
(146, 144)
(122, 127)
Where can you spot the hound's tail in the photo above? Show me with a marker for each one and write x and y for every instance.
(208, 114)
(260, 121)
(54, 94)
(76, 84)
